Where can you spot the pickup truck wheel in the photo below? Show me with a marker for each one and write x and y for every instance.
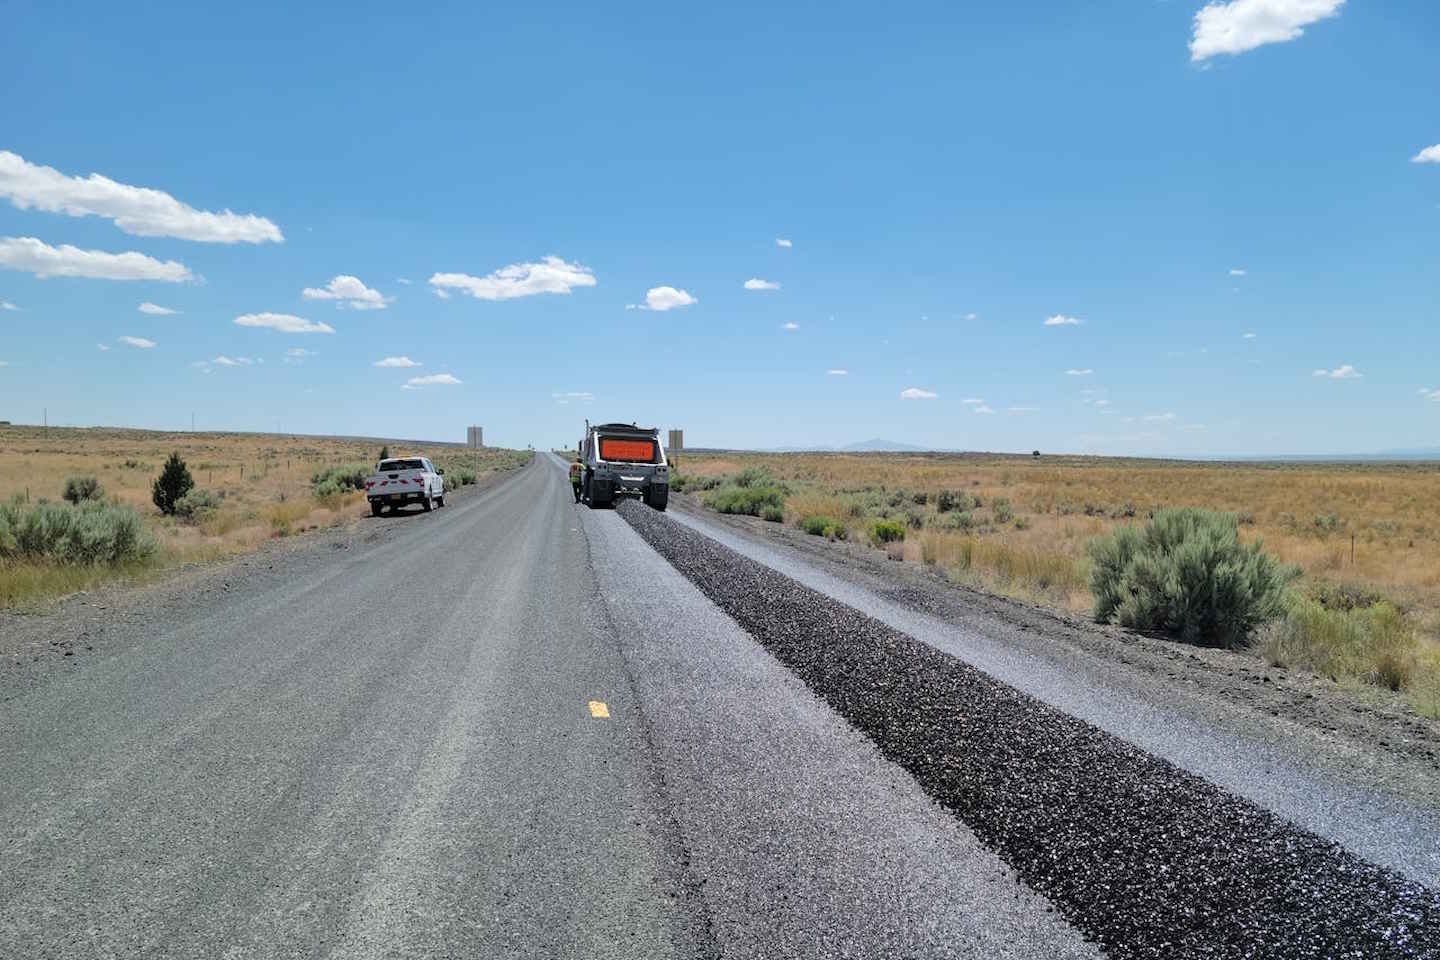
(427, 503)
(376, 508)
(440, 501)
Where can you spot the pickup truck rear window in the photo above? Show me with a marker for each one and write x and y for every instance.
(630, 451)
(390, 466)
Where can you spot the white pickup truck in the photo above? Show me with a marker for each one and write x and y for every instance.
(405, 480)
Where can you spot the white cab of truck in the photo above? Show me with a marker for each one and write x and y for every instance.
(405, 480)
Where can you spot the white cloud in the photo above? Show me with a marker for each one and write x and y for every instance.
(155, 310)
(1242, 25)
(442, 294)
(283, 322)
(433, 379)
(4, 363)
(1237, 272)
(102, 348)
(348, 291)
(973, 401)
(225, 361)
(983, 409)
(140, 342)
(837, 372)
(1159, 418)
(43, 260)
(1079, 372)
(782, 242)
(663, 298)
(139, 211)
(397, 362)
(915, 393)
(1060, 320)
(1343, 372)
(550, 275)
(790, 325)
(1430, 394)
(1022, 409)
(403, 281)
(578, 396)
(1247, 336)
(297, 355)
(7, 305)
(1428, 155)
(972, 316)
(755, 283)
(1101, 403)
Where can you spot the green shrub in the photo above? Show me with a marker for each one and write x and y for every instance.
(821, 526)
(772, 514)
(78, 489)
(754, 477)
(1021, 523)
(745, 500)
(351, 476)
(172, 484)
(1327, 522)
(92, 532)
(886, 531)
(964, 520)
(919, 498)
(1374, 643)
(1004, 513)
(1186, 574)
(945, 501)
(197, 505)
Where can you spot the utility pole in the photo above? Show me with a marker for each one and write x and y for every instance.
(45, 414)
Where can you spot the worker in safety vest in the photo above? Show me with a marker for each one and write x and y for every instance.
(576, 470)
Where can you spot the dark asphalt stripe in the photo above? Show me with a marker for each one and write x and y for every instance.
(1149, 860)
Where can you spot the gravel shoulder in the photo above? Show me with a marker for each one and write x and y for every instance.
(1370, 731)
(76, 631)
(1150, 859)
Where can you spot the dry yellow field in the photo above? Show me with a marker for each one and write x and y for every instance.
(1376, 525)
(264, 479)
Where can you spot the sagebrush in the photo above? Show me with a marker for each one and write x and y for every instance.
(1187, 574)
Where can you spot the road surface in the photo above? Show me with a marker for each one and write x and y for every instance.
(504, 728)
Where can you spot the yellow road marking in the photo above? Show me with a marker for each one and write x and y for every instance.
(599, 710)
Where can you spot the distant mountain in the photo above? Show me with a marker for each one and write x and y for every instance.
(864, 446)
(881, 446)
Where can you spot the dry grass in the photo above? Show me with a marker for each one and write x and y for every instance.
(1307, 515)
(264, 481)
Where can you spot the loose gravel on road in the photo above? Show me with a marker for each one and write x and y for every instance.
(1146, 858)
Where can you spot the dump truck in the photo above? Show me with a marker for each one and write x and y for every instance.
(623, 460)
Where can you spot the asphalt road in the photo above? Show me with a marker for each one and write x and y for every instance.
(393, 751)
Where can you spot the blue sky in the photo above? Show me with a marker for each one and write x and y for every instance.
(948, 177)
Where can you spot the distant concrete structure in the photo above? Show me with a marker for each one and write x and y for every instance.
(475, 437)
(676, 442)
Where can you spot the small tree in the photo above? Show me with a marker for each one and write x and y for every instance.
(172, 484)
(385, 452)
(78, 489)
